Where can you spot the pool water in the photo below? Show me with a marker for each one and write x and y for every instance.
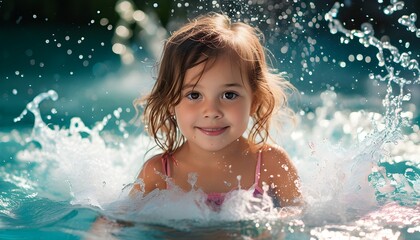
(68, 152)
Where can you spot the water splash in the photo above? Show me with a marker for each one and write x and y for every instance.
(169, 207)
(33, 106)
(410, 22)
(67, 159)
(393, 7)
(394, 119)
(354, 167)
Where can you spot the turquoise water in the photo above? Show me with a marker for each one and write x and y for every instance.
(73, 155)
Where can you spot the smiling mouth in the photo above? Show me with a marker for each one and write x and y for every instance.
(213, 131)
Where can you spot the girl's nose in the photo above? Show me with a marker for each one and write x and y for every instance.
(212, 109)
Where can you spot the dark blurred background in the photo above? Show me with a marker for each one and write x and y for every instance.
(79, 12)
(68, 46)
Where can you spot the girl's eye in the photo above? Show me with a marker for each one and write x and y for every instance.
(193, 95)
(230, 95)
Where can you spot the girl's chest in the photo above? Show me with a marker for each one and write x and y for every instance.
(220, 179)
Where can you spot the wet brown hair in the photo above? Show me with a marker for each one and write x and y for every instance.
(202, 39)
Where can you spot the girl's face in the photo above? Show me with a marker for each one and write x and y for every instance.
(214, 112)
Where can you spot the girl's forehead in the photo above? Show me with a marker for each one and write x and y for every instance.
(222, 66)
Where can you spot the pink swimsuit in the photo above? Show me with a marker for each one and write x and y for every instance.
(215, 200)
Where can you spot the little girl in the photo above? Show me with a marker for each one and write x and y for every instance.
(213, 83)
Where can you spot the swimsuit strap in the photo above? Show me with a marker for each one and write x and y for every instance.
(166, 166)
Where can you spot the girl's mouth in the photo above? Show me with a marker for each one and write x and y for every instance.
(213, 131)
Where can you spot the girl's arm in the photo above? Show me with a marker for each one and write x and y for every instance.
(280, 174)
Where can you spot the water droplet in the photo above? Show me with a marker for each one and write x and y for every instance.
(367, 29)
(239, 177)
(407, 97)
(116, 113)
(192, 179)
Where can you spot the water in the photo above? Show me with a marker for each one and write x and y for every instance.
(72, 154)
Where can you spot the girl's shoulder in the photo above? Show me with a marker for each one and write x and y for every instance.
(274, 152)
(281, 175)
(276, 160)
(154, 162)
(151, 173)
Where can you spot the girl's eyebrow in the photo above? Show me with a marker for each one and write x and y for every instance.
(191, 85)
(233, 85)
